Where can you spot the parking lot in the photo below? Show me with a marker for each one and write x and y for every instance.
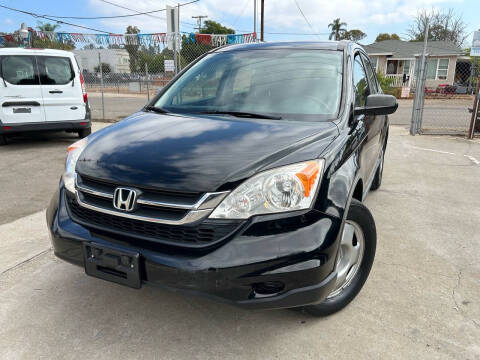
(421, 300)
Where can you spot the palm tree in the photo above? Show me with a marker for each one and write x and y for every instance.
(46, 27)
(337, 29)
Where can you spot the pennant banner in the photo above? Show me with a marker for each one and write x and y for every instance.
(136, 39)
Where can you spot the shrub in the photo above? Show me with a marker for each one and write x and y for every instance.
(385, 83)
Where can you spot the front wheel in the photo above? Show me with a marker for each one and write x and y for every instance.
(82, 133)
(354, 260)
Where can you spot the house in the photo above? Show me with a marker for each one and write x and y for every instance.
(397, 59)
(118, 59)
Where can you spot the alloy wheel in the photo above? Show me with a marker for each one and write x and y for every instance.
(350, 255)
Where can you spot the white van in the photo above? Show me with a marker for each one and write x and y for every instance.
(41, 89)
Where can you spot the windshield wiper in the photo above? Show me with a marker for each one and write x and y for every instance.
(158, 110)
(241, 114)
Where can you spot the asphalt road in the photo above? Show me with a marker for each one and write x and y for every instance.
(449, 114)
(421, 300)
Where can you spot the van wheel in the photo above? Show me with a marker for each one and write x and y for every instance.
(3, 140)
(354, 260)
(82, 133)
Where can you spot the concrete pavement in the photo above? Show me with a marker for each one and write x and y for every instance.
(31, 167)
(421, 300)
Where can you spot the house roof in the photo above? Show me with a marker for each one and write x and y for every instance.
(399, 49)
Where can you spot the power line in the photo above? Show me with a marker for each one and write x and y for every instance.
(306, 20)
(140, 13)
(137, 13)
(52, 19)
(241, 13)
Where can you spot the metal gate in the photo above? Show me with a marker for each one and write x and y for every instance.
(447, 96)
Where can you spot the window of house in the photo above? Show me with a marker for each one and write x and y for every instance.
(406, 67)
(442, 70)
(437, 69)
(391, 67)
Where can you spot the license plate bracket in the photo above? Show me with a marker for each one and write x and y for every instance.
(109, 264)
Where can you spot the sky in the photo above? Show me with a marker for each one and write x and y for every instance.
(283, 20)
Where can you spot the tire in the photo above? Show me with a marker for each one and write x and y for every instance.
(345, 291)
(377, 180)
(3, 140)
(82, 133)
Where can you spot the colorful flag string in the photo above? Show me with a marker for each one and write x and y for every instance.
(135, 39)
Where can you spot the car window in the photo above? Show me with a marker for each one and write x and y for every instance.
(55, 70)
(19, 70)
(291, 84)
(203, 87)
(360, 81)
(372, 80)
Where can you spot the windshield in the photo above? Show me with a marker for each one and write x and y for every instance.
(284, 83)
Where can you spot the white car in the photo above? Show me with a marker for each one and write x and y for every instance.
(41, 89)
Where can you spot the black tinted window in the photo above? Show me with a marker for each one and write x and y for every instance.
(372, 81)
(55, 70)
(360, 82)
(19, 70)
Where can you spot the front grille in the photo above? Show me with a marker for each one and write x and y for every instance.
(154, 194)
(203, 234)
(149, 205)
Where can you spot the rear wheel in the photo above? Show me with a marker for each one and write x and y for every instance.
(84, 132)
(354, 260)
(3, 140)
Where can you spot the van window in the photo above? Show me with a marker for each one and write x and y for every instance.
(55, 70)
(19, 70)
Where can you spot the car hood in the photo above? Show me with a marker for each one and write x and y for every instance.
(196, 154)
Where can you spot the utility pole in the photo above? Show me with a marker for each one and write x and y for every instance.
(254, 16)
(177, 40)
(262, 11)
(199, 21)
(418, 101)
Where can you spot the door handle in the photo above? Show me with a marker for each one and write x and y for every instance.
(55, 91)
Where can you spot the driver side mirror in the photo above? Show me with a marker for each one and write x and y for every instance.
(378, 104)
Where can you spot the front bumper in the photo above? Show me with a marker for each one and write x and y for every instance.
(296, 251)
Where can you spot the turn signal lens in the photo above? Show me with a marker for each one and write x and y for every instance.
(308, 175)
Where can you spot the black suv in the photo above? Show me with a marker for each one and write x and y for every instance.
(242, 180)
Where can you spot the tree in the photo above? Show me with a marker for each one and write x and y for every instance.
(353, 35)
(213, 27)
(46, 27)
(105, 68)
(336, 29)
(444, 25)
(131, 45)
(387, 36)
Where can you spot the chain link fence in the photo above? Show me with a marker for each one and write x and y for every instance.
(120, 79)
(448, 94)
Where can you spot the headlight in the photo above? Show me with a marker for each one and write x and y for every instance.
(286, 188)
(74, 152)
